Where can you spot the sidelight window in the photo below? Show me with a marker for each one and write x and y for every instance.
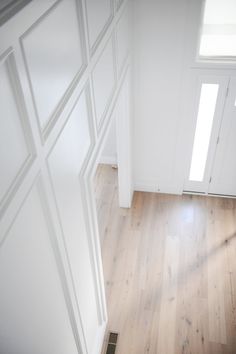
(206, 112)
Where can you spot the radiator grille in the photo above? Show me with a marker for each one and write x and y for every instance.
(112, 343)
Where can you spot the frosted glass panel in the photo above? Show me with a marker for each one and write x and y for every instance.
(206, 111)
(218, 37)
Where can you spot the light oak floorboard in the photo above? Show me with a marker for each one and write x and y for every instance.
(170, 270)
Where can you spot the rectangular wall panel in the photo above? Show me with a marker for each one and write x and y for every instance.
(65, 163)
(33, 313)
(53, 56)
(103, 81)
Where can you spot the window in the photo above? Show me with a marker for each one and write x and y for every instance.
(206, 112)
(218, 37)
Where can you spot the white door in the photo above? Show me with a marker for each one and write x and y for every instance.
(223, 180)
(208, 111)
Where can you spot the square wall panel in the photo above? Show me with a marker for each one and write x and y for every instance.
(54, 56)
(103, 81)
(99, 14)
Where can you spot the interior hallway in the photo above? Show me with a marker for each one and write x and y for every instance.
(170, 270)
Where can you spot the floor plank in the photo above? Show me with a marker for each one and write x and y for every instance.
(170, 270)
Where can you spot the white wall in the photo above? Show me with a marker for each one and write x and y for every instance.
(159, 33)
(167, 71)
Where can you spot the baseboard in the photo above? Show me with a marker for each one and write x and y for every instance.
(153, 188)
(145, 187)
(108, 160)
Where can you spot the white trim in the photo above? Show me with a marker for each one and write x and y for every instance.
(58, 109)
(8, 59)
(93, 46)
(210, 195)
(152, 187)
(38, 185)
(145, 187)
(98, 345)
(100, 120)
(124, 145)
(108, 160)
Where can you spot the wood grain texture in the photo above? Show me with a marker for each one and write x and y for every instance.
(170, 270)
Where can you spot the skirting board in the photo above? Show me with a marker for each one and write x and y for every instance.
(154, 188)
(108, 160)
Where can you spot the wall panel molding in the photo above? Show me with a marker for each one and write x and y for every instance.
(84, 96)
(94, 43)
(7, 60)
(122, 40)
(101, 84)
(50, 120)
(28, 39)
(119, 4)
(38, 186)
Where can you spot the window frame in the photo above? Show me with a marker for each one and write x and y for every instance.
(210, 59)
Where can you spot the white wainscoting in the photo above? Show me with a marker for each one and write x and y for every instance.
(34, 316)
(122, 39)
(16, 146)
(53, 53)
(104, 77)
(119, 3)
(109, 152)
(58, 89)
(99, 15)
(65, 162)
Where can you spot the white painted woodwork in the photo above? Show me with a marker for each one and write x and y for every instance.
(99, 14)
(119, 3)
(15, 150)
(65, 162)
(34, 316)
(224, 168)
(109, 152)
(122, 40)
(103, 81)
(53, 56)
(52, 298)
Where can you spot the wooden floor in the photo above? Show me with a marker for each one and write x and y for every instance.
(170, 270)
